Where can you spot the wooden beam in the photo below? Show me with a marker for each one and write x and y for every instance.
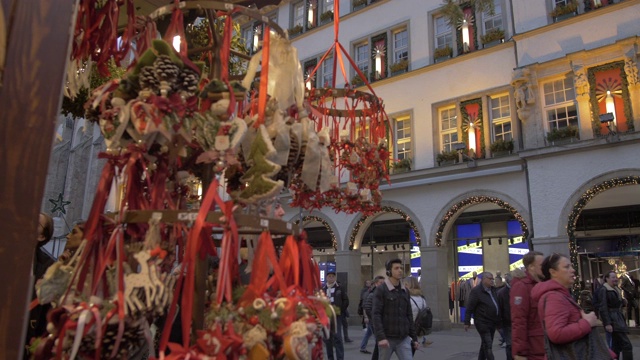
(30, 97)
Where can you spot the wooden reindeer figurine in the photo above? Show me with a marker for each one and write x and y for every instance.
(140, 280)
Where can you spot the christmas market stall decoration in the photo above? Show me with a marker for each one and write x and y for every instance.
(164, 122)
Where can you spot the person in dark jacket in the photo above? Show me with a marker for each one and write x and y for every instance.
(339, 300)
(505, 313)
(483, 304)
(392, 317)
(367, 308)
(611, 303)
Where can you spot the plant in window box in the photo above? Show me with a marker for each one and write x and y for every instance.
(492, 37)
(359, 4)
(447, 157)
(399, 67)
(326, 16)
(356, 80)
(560, 12)
(441, 53)
(401, 166)
(501, 147)
(562, 135)
(295, 30)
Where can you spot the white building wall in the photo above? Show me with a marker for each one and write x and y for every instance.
(555, 178)
(595, 29)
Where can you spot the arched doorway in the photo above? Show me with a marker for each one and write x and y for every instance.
(481, 233)
(322, 238)
(604, 233)
(386, 235)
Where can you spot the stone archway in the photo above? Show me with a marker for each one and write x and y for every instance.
(579, 200)
(457, 206)
(359, 225)
(325, 223)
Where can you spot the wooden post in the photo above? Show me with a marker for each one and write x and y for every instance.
(30, 97)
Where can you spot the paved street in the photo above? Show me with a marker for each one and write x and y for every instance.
(455, 344)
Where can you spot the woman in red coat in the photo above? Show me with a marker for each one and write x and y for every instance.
(565, 322)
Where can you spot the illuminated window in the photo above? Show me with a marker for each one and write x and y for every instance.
(402, 137)
(448, 128)
(560, 107)
(501, 118)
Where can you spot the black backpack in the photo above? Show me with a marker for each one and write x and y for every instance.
(424, 320)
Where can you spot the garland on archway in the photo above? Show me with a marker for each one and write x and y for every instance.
(384, 209)
(324, 223)
(577, 210)
(479, 200)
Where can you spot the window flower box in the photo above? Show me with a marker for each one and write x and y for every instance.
(401, 166)
(442, 54)
(296, 30)
(447, 158)
(326, 17)
(562, 12)
(399, 67)
(493, 37)
(501, 148)
(357, 81)
(562, 136)
(359, 4)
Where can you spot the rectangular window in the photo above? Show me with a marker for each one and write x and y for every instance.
(448, 128)
(559, 103)
(327, 72)
(501, 118)
(402, 137)
(362, 57)
(400, 45)
(327, 5)
(562, 2)
(443, 33)
(298, 14)
(494, 21)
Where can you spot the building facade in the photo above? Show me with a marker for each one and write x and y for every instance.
(518, 125)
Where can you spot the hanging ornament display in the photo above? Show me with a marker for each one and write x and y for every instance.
(162, 122)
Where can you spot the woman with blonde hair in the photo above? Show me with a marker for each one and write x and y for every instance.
(418, 302)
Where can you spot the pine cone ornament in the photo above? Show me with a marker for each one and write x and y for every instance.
(166, 72)
(148, 80)
(187, 82)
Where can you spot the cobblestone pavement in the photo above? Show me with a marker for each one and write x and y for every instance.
(454, 344)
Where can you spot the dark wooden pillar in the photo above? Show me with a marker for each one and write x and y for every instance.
(30, 96)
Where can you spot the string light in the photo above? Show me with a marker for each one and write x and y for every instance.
(310, 218)
(577, 210)
(479, 200)
(384, 209)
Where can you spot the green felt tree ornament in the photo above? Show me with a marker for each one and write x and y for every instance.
(259, 184)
